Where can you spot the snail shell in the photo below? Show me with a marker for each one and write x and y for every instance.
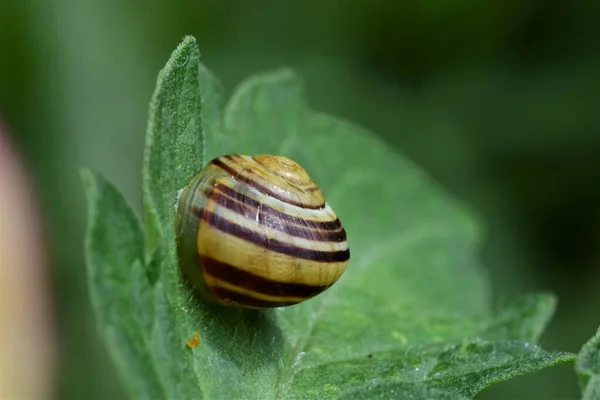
(256, 232)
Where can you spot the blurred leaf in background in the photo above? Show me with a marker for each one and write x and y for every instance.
(495, 99)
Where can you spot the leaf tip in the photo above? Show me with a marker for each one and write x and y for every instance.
(283, 75)
(284, 83)
(188, 39)
(89, 180)
(276, 77)
(186, 50)
(188, 43)
(86, 175)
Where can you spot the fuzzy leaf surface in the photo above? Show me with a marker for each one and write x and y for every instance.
(588, 368)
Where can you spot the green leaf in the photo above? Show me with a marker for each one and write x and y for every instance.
(588, 368)
(174, 147)
(134, 313)
(466, 368)
(380, 389)
(118, 285)
(411, 318)
(523, 319)
(472, 366)
(173, 154)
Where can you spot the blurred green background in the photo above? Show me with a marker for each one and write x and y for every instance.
(497, 99)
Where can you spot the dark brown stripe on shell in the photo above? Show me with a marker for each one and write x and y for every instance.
(333, 225)
(305, 230)
(258, 284)
(224, 225)
(229, 296)
(263, 189)
(197, 211)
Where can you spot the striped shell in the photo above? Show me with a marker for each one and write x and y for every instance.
(256, 232)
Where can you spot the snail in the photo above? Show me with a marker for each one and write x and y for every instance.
(256, 232)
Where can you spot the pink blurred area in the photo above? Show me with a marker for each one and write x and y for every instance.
(27, 340)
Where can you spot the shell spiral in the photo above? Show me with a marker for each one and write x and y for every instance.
(256, 232)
